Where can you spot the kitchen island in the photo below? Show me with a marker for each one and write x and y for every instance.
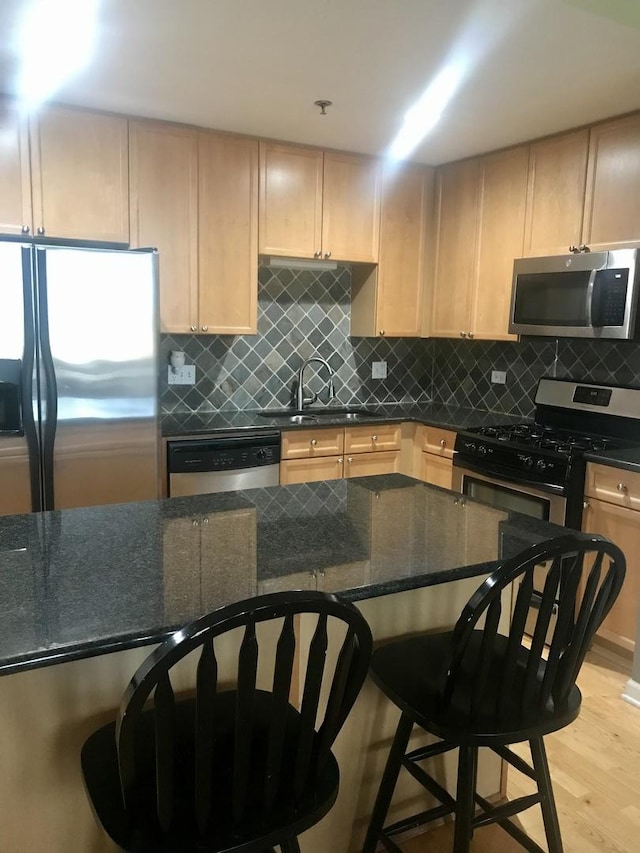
(85, 591)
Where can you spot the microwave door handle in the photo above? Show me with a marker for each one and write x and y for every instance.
(589, 297)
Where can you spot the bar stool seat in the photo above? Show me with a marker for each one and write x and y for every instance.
(230, 768)
(475, 687)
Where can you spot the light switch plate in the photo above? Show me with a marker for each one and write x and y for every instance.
(183, 375)
(499, 377)
(378, 369)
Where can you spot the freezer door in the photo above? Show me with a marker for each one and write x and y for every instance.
(15, 384)
(98, 341)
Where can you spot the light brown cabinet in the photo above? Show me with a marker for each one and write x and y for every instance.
(79, 175)
(65, 175)
(436, 446)
(387, 300)
(194, 197)
(555, 196)
(480, 214)
(316, 204)
(330, 453)
(612, 199)
(612, 509)
(164, 214)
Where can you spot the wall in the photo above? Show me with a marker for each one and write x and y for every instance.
(303, 312)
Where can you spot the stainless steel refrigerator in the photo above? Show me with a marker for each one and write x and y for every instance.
(78, 377)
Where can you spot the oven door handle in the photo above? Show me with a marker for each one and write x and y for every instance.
(498, 476)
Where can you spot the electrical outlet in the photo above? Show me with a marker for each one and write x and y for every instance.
(183, 375)
(378, 369)
(499, 377)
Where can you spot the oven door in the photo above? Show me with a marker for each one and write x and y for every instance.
(510, 496)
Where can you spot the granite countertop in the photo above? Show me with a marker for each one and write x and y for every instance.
(80, 582)
(628, 459)
(434, 414)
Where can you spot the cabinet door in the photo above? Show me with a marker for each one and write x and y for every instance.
(406, 202)
(555, 198)
(290, 220)
(612, 203)
(621, 526)
(80, 173)
(371, 464)
(15, 177)
(164, 214)
(181, 568)
(503, 196)
(351, 207)
(372, 439)
(228, 557)
(228, 234)
(310, 470)
(437, 470)
(456, 226)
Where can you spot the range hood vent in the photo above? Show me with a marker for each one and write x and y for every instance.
(299, 264)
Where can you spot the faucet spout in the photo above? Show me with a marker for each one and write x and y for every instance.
(301, 400)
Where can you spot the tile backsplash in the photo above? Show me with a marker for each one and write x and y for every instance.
(303, 312)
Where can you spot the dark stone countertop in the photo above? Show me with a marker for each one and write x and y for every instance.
(628, 459)
(434, 414)
(80, 582)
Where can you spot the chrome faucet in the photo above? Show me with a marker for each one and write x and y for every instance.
(301, 400)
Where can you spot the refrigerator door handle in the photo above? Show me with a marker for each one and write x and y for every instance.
(50, 391)
(28, 372)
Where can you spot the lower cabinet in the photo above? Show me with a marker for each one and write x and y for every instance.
(437, 455)
(612, 509)
(331, 453)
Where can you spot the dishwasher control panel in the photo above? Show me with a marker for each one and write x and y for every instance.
(222, 454)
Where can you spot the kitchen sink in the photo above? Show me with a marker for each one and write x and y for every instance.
(317, 415)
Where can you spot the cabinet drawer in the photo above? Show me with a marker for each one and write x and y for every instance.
(438, 440)
(303, 443)
(613, 485)
(370, 439)
(310, 470)
(370, 464)
(437, 470)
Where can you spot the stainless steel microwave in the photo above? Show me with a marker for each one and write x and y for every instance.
(588, 295)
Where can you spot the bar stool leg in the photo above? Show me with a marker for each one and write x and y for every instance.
(388, 783)
(547, 800)
(465, 803)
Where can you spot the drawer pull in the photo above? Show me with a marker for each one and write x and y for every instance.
(443, 442)
(374, 438)
(622, 487)
(313, 442)
(585, 504)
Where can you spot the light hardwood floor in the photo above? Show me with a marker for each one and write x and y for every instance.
(595, 766)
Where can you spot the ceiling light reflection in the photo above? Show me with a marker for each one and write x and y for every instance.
(55, 41)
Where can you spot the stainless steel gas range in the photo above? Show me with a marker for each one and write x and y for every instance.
(538, 468)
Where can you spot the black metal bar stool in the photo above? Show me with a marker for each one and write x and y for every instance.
(476, 687)
(236, 769)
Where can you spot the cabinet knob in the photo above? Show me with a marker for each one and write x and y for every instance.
(317, 254)
(327, 254)
(40, 230)
(585, 504)
(621, 487)
(349, 459)
(374, 438)
(313, 442)
(469, 334)
(194, 328)
(443, 442)
(205, 328)
(25, 229)
(574, 250)
(463, 334)
(195, 522)
(382, 331)
(339, 460)
(205, 520)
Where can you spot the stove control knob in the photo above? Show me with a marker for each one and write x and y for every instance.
(482, 450)
(541, 465)
(261, 455)
(470, 446)
(527, 462)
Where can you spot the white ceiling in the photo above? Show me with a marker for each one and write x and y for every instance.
(529, 67)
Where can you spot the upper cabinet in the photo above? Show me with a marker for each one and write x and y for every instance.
(612, 200)
(164, 214)
(228, 234)
(67, 177)
(480, 215)
(555, 200)
(316, 204)
(388, 301)
(194, 196)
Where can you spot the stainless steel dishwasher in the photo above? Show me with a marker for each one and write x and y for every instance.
(228, 463)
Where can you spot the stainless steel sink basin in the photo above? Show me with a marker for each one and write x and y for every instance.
(317, 415)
